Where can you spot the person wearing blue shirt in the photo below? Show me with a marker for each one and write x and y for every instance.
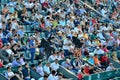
(16, 62)
(32, 48)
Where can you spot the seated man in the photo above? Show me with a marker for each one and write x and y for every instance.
(55, 65)
(110, 67)
(39, 69)
(16, 62)
(53, 76)
(26, 72)
(46, 68)
(68, 65)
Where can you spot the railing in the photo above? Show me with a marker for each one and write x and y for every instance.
(115, 24)
(2, 77)
(103, 75)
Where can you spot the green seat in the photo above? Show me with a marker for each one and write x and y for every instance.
(3, 70)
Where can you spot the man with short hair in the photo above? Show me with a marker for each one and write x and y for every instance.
(55, 65)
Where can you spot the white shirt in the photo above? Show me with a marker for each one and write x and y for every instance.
(42, 1)
(54, 66)
(52, 58)
(109, 68)
(52, 77)
(46, 69)
(100, 51)
(10, 74)
(1, 35)
(65, 46)
(39, 69)
(9, 51)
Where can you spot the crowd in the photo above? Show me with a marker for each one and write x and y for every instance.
(60, 29)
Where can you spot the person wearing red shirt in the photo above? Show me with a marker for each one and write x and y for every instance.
(105, 49)
(104, 61)
(80, 74)
(86, 69)
(45, 4)
(1, 64)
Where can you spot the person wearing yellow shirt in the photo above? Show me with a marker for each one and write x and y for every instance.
(86, 36)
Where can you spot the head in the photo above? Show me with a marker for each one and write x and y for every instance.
(56, 61)
(48, 64)
(95, 55)
(67, 60)
(45, 77)
(60, 75)
(53, 72)
(33, 66)
(19, 68)
(9, 68)
(21, 55)
(26, 65)
(40, 63)
(18, 59)
(111, 64)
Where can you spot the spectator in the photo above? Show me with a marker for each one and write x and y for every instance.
(52, 57)
(32, 48)
(66, 45)
(1, 63)
(16, 62)
(26, 72)
(33, 67)
(55, 65)
(19, 72)
(44, 78)
(39, 69)
(110, 67)
(80, 74)
(77, 63)
(46, 68)
(9, 74)
(52, 76)
(22, 62)
(96, 60)
(67, 64)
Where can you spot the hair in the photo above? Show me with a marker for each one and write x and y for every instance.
(21, 55)
(53, 72)
(17, 58)
(33, 65)
(45, 76)
(39, 62)
(8, 67)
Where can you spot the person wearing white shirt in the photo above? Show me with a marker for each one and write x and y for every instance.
(55, 65)
(66, 45)
(46, 68)
(44, 78)
(110, 67)
(39, 69)
(53, 57)
(53, 76)
(99, 51)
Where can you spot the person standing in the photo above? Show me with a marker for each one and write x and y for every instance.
(32, 48)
